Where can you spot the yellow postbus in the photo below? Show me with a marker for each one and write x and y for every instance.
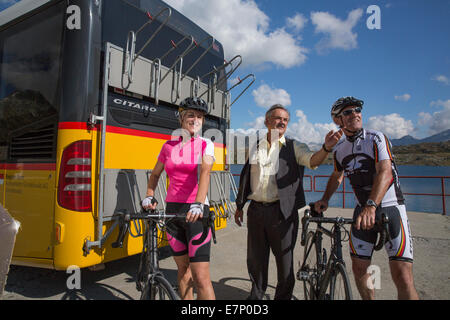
(88, 95)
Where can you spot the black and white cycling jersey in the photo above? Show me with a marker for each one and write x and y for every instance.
(357, 158)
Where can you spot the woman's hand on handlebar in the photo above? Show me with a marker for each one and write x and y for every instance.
(149, 203)
(195, 212)
(321, 206)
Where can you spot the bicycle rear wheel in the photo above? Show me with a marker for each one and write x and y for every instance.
(340, 288)
(310, 271)
(159, 289)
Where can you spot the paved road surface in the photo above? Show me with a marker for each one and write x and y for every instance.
(431, 240)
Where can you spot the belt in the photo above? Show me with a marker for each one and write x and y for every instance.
(266, 204)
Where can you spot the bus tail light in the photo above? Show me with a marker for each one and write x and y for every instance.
(74, 189)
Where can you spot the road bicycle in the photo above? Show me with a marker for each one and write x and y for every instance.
(326, 278)
(150, 281)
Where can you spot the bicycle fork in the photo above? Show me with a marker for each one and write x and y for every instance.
(335, 258)
(305, 273)
(149, 266)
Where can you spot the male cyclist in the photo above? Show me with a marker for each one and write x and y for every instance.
(366, 159)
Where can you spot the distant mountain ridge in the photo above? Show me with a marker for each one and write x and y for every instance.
(408, 140)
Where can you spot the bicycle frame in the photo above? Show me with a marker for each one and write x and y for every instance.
(327, 271)
(323, 270)
(149, 259)
(148, 271)
(335, 255)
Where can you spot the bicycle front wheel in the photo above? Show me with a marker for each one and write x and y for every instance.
(159, 289)
(310, 271)
(340, 288)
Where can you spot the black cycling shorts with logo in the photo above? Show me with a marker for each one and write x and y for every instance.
(185, 238)
(362, 242)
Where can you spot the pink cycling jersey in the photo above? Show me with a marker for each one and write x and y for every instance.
(181, 162)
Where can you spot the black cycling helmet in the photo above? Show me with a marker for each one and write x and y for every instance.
(195, 104)
(343, 102)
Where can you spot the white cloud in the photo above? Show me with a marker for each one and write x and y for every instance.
(441, 103)
(438, 121)
(266, 96)
(313, 134)
(243, 29)
(404, 97)
(393, 125)
(442, 79)
(296, 22)
(299, 128)
(252, 127)
(339, 34)
(425, 119)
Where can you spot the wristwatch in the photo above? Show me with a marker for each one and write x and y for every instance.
(371, 203)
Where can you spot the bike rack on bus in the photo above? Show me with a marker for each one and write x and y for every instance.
(130, 55)
(214, 83)
(240, 81)
(227, 74)
(228, 208)
(198, 45)
(124, 61)
(156, 69)
(180, 57)
(177, 75)
(155, 79)
(93, 120)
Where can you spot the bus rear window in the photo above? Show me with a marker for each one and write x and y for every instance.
(30, 61)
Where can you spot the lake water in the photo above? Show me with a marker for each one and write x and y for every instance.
(423, 203)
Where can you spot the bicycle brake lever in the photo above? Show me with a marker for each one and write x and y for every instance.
(211, 223)
(213, 231)
(386, 229)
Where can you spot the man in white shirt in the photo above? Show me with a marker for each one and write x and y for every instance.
(272, 179)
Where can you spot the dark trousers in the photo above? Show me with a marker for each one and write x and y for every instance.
(268, 229)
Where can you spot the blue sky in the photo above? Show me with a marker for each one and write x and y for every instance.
(306, 54)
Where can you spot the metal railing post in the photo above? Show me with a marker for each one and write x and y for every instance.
(443, 196)
(343, 193)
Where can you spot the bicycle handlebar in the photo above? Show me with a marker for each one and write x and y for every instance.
(311, 215)
(125, 218)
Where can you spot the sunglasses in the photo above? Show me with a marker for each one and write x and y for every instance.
(350, 111)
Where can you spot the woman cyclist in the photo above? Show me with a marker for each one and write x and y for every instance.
(187, 160)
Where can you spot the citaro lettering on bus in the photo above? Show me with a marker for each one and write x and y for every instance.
(74, 18)
(135, 105)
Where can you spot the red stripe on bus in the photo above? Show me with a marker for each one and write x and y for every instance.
(119, 130)
(28, 166)
(74, 125)
(138, 133)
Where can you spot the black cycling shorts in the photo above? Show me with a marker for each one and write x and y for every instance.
(362, 242)
(186, 237)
